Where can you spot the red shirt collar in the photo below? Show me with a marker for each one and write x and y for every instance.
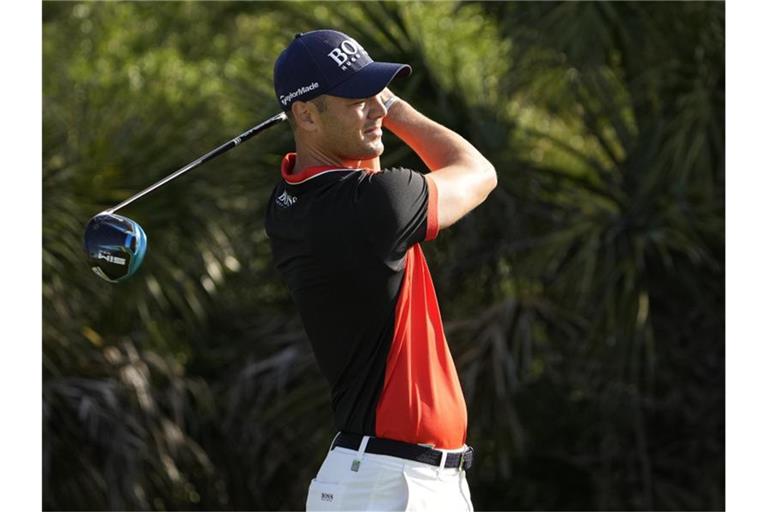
(289, 161)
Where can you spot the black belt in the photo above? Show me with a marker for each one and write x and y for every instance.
(381, 446)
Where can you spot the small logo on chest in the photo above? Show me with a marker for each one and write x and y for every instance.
(326, 496)
(285, 200)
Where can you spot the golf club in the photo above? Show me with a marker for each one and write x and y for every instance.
(116, 245)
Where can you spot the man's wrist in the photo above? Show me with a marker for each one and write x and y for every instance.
(390, 101)
(393, 106)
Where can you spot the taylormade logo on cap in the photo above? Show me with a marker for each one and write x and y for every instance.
(329, 62)
(298, 92)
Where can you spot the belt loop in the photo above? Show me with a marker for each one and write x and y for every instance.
(362, 447)
(443, 458)
(333, 441)
(360, 454)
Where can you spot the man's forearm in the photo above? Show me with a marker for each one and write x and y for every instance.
(435, 144)
(461, 175)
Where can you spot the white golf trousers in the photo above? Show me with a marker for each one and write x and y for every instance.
(355, 480)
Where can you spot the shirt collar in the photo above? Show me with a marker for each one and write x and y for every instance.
(289, 160)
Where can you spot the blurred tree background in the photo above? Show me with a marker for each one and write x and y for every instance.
(584, 300)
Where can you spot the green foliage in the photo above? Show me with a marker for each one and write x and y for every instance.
(584, 300)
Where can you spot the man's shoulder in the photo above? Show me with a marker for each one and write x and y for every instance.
(393, 184)
(392, 174)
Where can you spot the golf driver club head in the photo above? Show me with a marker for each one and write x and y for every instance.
(115, 246)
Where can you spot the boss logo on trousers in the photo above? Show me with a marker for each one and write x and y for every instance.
(347, 53)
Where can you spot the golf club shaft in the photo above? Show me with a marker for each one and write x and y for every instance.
(208, 156)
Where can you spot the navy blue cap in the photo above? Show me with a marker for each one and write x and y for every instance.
(330, 62)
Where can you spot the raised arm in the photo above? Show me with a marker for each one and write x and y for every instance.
(462, 176)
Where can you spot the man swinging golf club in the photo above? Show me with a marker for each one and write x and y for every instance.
(345, 238)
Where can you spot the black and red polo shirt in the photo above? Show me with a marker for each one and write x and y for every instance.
(346, 242)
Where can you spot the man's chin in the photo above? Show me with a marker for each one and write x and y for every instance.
(372, 152)
(377, 149)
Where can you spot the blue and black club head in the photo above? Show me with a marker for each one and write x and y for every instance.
(115, 245)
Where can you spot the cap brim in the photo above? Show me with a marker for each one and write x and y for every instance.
(370, 80)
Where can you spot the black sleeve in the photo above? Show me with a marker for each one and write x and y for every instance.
(393, 208)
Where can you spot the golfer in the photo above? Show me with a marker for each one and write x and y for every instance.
(346, 237)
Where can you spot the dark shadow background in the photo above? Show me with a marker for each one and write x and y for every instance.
(584, 301)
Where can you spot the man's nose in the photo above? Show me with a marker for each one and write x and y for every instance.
(377, 107)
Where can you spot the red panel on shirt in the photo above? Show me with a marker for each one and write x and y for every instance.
(421, 400)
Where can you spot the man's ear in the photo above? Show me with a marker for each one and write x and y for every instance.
(305, 115)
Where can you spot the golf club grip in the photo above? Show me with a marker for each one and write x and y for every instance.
(277, 118)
